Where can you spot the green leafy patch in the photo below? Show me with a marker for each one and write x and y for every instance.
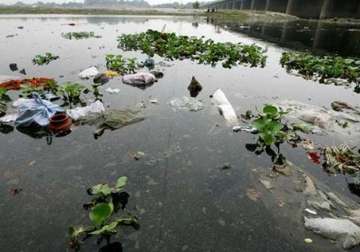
(3, 94)
(269, 125)
(71, 92)
(100, 213)
(119, 64)
(80, 35)
(172, 46)
(326, 69)
(103, 208)
(44, 59)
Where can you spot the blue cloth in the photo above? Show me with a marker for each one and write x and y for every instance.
(36, 112)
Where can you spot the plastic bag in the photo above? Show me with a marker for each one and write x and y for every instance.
(77, 113)
(139, 79)
(35, 112)
(88, 73)
(225, 107)
(187, 103)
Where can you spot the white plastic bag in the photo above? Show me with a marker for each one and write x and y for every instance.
(225, 107)
(141, 78)
(77, 113)
(89, 73)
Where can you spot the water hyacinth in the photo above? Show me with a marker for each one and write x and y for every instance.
(80, 35)
(172, 46)
(323, 68)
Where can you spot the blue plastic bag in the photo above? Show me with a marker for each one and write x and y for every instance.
(36, 112)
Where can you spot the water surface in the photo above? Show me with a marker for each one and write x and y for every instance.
(183, 200)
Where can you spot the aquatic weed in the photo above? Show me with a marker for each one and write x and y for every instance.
(107, 201)
(172, 46)
(3, 94)
(79, 35)
(71, 92)
(323, 68)
(120, 64)
(269, 125)
(44, 59)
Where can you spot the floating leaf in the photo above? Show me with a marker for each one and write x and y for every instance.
(121, 182)
(100, 213)
(101, 189)
(270, 109)
(44, 59)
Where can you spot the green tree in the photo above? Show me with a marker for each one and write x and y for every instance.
(196, 5)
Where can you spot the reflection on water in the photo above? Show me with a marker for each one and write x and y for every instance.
(318, 37)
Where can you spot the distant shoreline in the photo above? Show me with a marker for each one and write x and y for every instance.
(234, 15)
(90, 11)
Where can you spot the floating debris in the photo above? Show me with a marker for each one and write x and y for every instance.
(112, 90)
(252, 194)
(225, 107)
(313, 212)
(15, 191)
(89, 73)
(13, 67)
(319, 119)
(341, 159)
(335, 229)
(194, 87)
(157, 74)
(111, 74)
(308, 240)
(139, 79)
(154, 101)
(187, 103)
(266, 183)
(80, 112)
(116, 119)
(137, 155)
(314, 157)
(16, 84)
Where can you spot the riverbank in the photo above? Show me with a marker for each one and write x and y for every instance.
(229, 15)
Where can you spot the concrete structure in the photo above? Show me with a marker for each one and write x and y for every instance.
(302, 35)
(317, 9)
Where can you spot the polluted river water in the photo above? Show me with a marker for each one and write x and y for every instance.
(195, 186)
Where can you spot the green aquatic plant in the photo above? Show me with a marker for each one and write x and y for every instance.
(107, 202)
(269, 125)
(120, 64)
(49, 86)
(324, 68)
(3, 94)
(80, 35)
(272, 132)
(44, 59)
(71, 92)
(27, 90)
(172, 46)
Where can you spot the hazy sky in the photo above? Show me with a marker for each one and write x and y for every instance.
(62, 1)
